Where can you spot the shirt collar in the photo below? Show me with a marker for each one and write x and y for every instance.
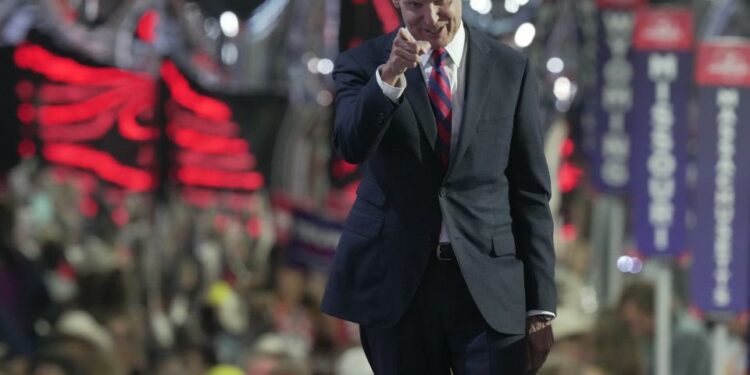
(455, 48)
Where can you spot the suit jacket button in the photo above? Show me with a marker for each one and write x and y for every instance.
(443, 192)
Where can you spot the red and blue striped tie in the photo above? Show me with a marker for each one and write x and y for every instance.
(439, 91)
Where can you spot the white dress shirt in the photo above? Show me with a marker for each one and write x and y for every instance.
(457, 74)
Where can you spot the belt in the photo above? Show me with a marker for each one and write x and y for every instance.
(444, 252)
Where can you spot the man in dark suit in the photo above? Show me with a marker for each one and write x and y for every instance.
(446, 260)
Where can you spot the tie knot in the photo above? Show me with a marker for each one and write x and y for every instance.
(438, 56)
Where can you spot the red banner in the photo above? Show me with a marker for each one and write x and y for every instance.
(724, 63)
(664, 29)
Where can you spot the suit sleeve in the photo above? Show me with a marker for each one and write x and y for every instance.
(363, 112)
(528, 179)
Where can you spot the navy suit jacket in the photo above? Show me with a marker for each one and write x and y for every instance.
(494, 197)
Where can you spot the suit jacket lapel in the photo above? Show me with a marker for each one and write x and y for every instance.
(416, 94)
(475, 93)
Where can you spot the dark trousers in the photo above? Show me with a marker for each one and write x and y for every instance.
(443, 331)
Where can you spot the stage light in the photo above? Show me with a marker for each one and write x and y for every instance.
(555, 65)
(525, 35)
(511, 6)
(230, 25)
(563, 88)
(325, 66)
(312, 65)
(481, 6)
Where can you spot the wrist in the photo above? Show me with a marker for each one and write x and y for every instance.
(388, 75)
(538, 322)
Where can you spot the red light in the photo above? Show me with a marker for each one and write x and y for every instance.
(26, 148)
(101, 163)
(569, 177)
(569, 232)
(197, 141)
(25, 113)
(567, 148)
(146, 28)
(129, 127)
(56, 68)
(220, 179)
(204, 106)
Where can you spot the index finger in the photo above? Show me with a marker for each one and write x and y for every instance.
(406, 35)
(420, 46)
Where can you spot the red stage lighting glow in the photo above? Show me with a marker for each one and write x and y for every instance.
(202, 142)
(569, 177)
(210, 152)
(204, 106)
(101, 163)
(146, 29)
(80, 103)
(62, 69)
(220, 179)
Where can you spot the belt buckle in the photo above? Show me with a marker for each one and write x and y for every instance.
(439, 255)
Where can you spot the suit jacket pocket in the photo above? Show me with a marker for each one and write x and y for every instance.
(503, 244)
(363, 224)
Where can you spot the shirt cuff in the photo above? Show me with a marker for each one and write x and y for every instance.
(531, 313)
(391, 92)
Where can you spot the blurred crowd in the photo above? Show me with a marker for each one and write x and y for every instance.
(171, 291)
(83, 295)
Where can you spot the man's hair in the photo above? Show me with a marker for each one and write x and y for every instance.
(641, 294)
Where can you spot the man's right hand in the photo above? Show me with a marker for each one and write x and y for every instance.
(405, 54)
